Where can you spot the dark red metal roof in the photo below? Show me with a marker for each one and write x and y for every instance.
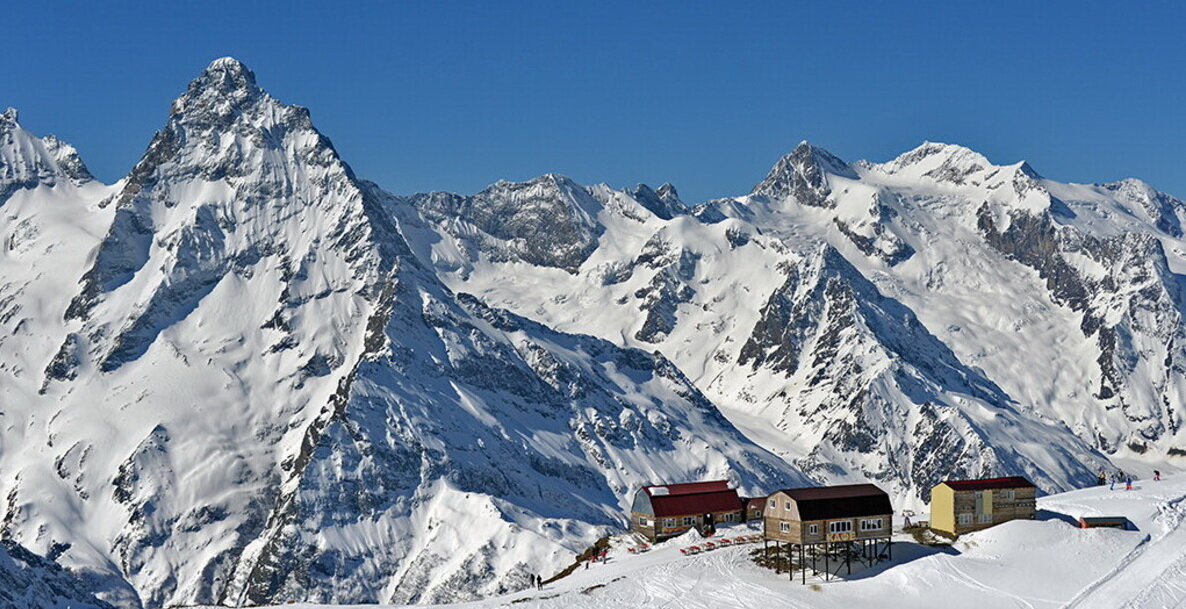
(755, 503)
(989, 483)
(844, 501)
(687, 504)
(686, 488)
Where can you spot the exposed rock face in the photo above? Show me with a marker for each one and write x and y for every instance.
(862, 359)
(30, 581)
(547, 221)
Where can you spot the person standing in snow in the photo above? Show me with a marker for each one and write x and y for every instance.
(1112, 482)
(1102, 479)
(1157, 475)
(1128, 482)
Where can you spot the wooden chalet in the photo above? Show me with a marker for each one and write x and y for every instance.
(961, 506)
(662, 511)
(824, 528)
(755, 508)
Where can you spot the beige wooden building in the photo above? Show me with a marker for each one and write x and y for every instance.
(961, 506)
(829, 525)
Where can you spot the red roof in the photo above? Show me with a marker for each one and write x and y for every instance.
(696, 503)
(989, 483)
(692, 498)
(686, 488)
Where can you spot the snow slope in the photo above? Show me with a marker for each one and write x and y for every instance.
(1046, 563)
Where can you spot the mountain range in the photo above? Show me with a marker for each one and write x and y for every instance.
(243, 375)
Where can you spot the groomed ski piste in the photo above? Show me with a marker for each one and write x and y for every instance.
(1039, 564)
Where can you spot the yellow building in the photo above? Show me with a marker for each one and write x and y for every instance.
(960, 506)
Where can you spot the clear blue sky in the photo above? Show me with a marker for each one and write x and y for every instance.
(707, 95)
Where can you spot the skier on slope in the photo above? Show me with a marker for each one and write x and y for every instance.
(1157, 475)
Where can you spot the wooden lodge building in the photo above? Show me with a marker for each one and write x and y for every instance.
(824, 528)
(961, 506)
(662, 511)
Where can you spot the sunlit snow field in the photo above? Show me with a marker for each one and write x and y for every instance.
(1038, 564)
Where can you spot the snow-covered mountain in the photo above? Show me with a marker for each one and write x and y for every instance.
(243, 375)
(902, 322)
(227, 379)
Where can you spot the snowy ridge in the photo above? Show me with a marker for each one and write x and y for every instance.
(999, 269)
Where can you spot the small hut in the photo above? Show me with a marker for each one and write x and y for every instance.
(662, 511)
(755, 508)
(829, 525)
(1103, 522)
(961, 506)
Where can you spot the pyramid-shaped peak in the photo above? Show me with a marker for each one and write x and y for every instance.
(224, 86)
(802, 175)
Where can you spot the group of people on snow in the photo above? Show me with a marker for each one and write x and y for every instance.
(1120, 476)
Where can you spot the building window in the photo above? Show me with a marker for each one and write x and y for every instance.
(871, 524)
(642, 521)
(840, 526)
(1007, 494)
(965, 518)
(788, 506)
(985, 518)
(669, 522)
(813, 529)
(785, 527)
(689, 521)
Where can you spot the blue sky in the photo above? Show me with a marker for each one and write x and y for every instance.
(707, 95)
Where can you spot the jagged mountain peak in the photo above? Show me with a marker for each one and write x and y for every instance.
(224, 89)
(664, 202)
(69, 162)
(27, 161)
(668, 193)
(802, 175)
